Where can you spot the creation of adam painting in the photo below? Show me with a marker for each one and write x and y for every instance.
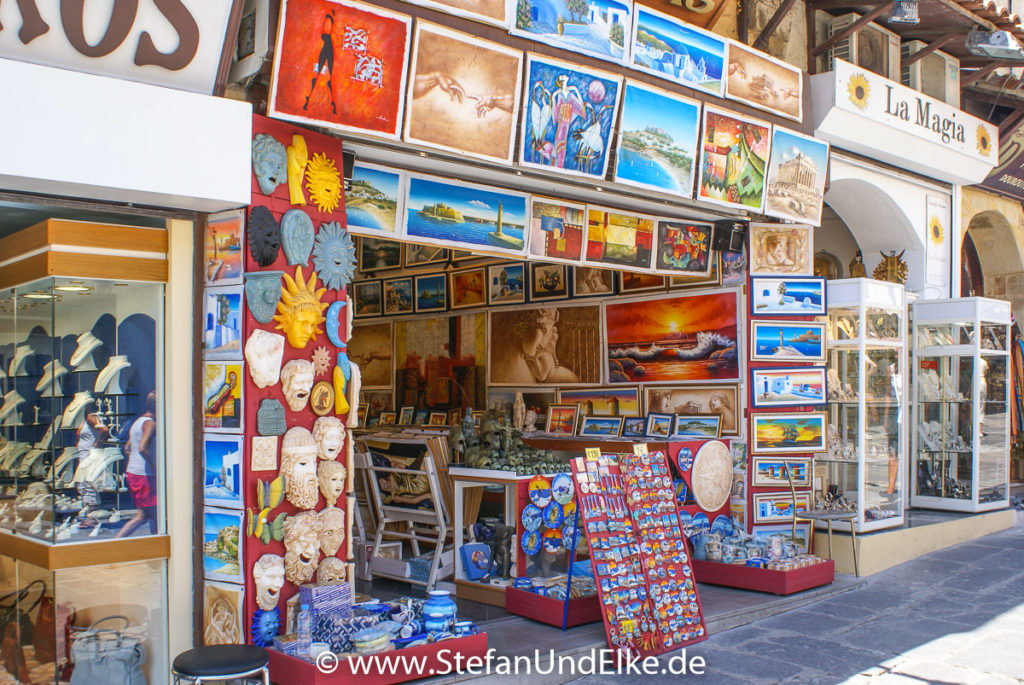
(545, 346)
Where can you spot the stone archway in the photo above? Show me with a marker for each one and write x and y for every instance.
(996, 227)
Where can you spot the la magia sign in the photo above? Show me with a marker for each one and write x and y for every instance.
(173, 43)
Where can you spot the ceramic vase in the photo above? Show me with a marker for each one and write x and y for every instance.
(439, 612)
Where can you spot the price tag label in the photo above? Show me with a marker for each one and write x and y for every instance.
(593, 453)
(640, 449)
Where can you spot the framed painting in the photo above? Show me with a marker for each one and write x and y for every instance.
(787, 341)
(467, 288)
(589, 281)
(659, 425)
(794, 432)
(424, 255)
(657, 144)
(678, 338)
(455, 417)
(222, 322)
(733, 157)
(781, 250)
(759, 80)
(361, 413)
(421, 417)
(606, 401)
(738, 451)
(683, 248)
(341, 66)
(374, 200)
(366, 299)
(774, 296)
(739, 485)
(463, 94)
(697, 426)
(618, 239)
(556, 230)
(548, 281)
(722, 400)
(637, 282)
(733, 267)
(223, 396)
(405, 415)
(537, 399)
(222, 548)
(452, 213)
(544, 346)
(738, 511)
(370, 347)
(223, 614)
(378, 401)
(399, 297)
(797, 171)
(388, 418)
(634, 426)
(561, 419)
(771, 472)
(568, 116)
(431, 293)
(506, 283)
(763, 534)
(438, 418)
(599, 30)
(691, 282)
(223, 239)
(677, 50)
(779, 506)
(222, 471)
(379, 255)
(601, 426)
(788, 386)
(486, 11)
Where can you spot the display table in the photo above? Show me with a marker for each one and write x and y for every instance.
(548, 610)
(763, 579)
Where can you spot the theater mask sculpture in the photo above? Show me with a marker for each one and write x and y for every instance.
(264, 351)
(329, 433)
(298, 466)
(332, 530)
(331, 475)
(301, 547)
(331, 571)
(268, 574)
(296, 383)
(269, 162)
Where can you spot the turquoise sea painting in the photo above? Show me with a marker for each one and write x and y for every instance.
(658, 135)
(465, 215)
(802, 341)
(222, 471)
(431, 293)
(373, 201)
(599, 28)
(674, 50)
(222, 557)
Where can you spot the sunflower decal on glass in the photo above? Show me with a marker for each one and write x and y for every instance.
(859, 90)
(984, 142)
(935, 230)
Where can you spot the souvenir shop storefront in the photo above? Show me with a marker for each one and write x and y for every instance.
(105, 180)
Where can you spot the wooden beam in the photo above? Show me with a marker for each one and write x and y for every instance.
(981, 73)
(766, 33)
(743, 26)
(931, 47)
(841, 4)
(1012, 121)
(955, 7)
(852, 28)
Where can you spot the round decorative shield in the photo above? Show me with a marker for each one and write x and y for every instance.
(562, 488)
(540, 491)
(553, 540)
(532, 517)
(321, 399)
(553, 515)
(531, 542)
(711, 475)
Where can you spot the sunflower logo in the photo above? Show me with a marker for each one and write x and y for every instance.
(935, 230)
(859, 90)
(984, 142)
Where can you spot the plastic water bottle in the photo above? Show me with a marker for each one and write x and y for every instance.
(304, 628)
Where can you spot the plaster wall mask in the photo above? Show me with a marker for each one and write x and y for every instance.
(329, 433)
(263, 352)
(263, 455)
(264, 236)
(297, 236)
(298, 156)
(334, 255)
(332, 530)
(331, 572)
(301, 547)
(300, 311)
(355, 383)
(298, 466)
(268, 574)
(331, 476)
(262, 291)
(269, 162)
(270, 417)
(296, 382)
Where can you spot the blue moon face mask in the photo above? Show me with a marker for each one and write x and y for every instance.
(262, 291)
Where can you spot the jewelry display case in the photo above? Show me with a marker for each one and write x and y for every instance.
(866, 355)
(961, 440)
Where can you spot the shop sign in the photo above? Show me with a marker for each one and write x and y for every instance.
(1007, 178)
(869, 95)
(173, 43)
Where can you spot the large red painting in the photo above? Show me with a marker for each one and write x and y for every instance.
(341, 66)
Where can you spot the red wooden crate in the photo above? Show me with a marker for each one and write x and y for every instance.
(763, 579)
(549, 610)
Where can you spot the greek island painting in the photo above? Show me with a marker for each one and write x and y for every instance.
(222, 470)
(734, 155)
(796, 177)
(568, 117)
(222, 556)
(658, 135)
(784, 341)
(793, 432)
(688, 338)
(599, 28)
(374, 199)
(674, 50)
(466, 215)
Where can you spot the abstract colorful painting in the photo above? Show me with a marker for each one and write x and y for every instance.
(789, 386)
(599, 28)
(617, 238)
(467, 288)
(506, 283)
(463, 93)
(486, 11)
(697, 399)
(675, 50)
(556, 230)
(374, 199)
(545, 346)
(222, 396)
(617, 401)
(398, 296)
(366, 299)
(370, 348)
(770, 296)
(431, 293)
(658, 134)
(222, 322)
(548, 281)
(759, 80)
(683, 249)
(672, 339)
(459, 214)
(787, 433)
(568, 117)
(784, 341)
(734, 155)
(222, 471)
(222, 247)
(379, 255)
(222, 549)
(796, 177)
(340, 66)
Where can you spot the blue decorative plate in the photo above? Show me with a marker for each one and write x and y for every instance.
(722, 524)
(553, 541)
(562, 488)
(700, 521)
(685, 459)
(531, 542)
(553, 515)
(685, 519)
(532, 517)
(540, 491)
(567, 535)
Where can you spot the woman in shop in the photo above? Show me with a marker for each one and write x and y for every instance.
(536, 336)
(141, 470)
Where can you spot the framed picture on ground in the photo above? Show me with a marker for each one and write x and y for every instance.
(601, 426)
(561, 419)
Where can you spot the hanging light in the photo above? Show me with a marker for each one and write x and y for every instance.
(905, 12)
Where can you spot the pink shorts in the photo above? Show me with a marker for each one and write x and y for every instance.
(143, 489)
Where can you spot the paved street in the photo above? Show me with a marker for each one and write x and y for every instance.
(953, 616)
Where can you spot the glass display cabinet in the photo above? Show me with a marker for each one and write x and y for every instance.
(961, 440)
(866, 357)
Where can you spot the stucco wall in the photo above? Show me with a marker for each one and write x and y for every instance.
(996, 225)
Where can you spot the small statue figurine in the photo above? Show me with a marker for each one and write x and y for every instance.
(531, 421)
(501, 550)
(468, 424)
(857, 269)
(892, 268)
(519, 412)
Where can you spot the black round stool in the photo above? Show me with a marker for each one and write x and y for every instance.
(221, 662)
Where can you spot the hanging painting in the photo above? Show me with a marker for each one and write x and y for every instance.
(785, 341)
(222, 549)
(568, 117)
(370, 348)
(589, 281)
(781, 249)
(222, 247)
(398, 296)
(222, 471)
(618, 238)
(787, 386)
(486, 11)
(672, 339)
(222, 397)
(366, 299)
(467, 288)
(222, 323)
(545, 346)
(599, 29)
(771, 472)
(696, 399)
(683, 248)
(548, 281)
(734, 267)
(609, 401)
(340, 66)
(787, 433)
(796, 177)
(379, 255)
(506, 283)
(787, 296)
(675, 50)
(778, 506)
(463, 94)
(556, 230)
(374, 199)
(658, 134)
(223, 614)
(734, 154)
(431, 293)
(761, 81)
(422, 255)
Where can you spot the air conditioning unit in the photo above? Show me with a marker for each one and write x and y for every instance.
(936, 74)
(872, 47)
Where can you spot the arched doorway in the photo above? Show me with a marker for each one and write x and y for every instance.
(972, 278)
(998, 259)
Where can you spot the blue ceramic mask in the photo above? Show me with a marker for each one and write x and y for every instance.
(296, 236)
(334, 255)
(265, 626)
(333, 323)
(262, 291)
(269, 162)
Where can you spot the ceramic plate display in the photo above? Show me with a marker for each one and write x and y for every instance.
(531, 542)
(532, 517)
(553, 515)
(540, 491)
(722, 525)
(700, 522)
(685, 517)
(552, 540)
(685, 458)
(569, 536)
(562, 488)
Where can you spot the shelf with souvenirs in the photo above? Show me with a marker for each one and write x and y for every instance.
(960, 409)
